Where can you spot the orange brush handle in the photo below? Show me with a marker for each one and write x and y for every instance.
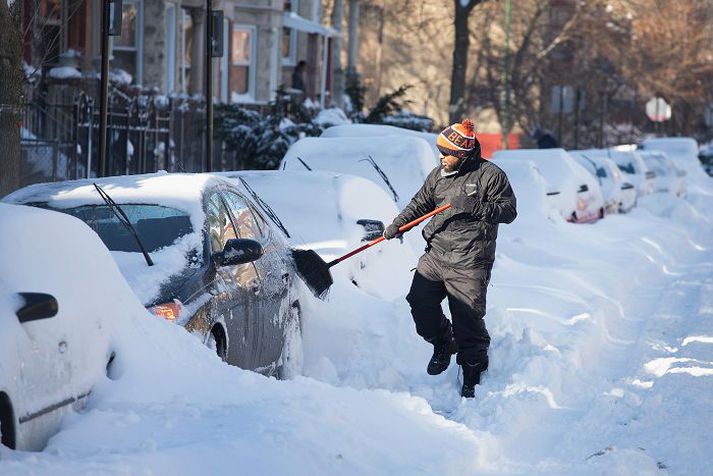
(402, 229)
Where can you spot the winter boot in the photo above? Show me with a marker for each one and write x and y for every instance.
(443, 349)
(471, 378)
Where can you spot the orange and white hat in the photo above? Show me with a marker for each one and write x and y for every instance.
(459, 140)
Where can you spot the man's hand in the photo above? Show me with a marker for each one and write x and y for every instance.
(392, 231)
(466, 203)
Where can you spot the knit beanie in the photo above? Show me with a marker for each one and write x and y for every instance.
(459, 140)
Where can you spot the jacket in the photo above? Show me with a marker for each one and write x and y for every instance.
(463, 239)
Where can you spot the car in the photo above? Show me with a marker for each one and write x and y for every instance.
(530, 188)
(683, 151)
(619, 195)
(398, 164)
(570, 188)
(58, 296)
(380, 130)
(196, 251)
(333, 214)
(631, 164)
(669, 178)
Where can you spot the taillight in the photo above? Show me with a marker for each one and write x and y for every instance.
(168, 310)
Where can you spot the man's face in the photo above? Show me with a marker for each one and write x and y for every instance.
(450, 163)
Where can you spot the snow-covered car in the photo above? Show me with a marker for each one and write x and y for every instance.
(669, 178)
(631, 164)
(333, 214)
(398, 164)
(683, 151)
(59, 296)
(619, 195)
(380, 130)
(530, 188)
(196, 251)
(570, 188)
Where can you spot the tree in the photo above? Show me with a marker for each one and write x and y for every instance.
(11, 79)
(460, 57)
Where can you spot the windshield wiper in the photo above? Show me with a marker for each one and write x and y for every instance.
(304, 163)
(383, 176)
(124, 220)
(265, 207)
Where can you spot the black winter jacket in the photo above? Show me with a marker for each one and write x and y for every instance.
(463, 239)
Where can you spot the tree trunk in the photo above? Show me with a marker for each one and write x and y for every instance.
(460, 58)
(338, 78)
(11, 78)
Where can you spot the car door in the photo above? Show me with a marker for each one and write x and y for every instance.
(234, 300)
(274, 277)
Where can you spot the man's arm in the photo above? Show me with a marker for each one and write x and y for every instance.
(420, 204)
(497, 203)
(501, 204)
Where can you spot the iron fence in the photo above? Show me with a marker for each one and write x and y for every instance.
(145, 133)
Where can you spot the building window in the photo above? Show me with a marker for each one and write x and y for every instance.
(185, 53)
(170, 47)
(289, 37)
(50, 21)
(242, 63)
(127, 48)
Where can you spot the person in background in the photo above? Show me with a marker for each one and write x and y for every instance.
(298, 81)
(460, 251)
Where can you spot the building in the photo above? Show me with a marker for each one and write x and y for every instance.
(162, 46)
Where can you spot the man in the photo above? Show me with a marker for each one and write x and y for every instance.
(460, 250)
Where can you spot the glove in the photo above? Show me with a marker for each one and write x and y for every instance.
(392, 231)
(466, 204)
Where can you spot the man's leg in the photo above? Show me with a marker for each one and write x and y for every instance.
(467, 290)
(425, 297)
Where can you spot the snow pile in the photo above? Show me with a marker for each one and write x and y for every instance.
(601, 363)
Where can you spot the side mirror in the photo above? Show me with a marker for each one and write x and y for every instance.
(626, 186)
(37, 306)
(238, 251)
(373, 229)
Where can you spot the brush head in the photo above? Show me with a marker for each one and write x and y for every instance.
(314, 271)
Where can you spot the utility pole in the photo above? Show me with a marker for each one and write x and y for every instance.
(103, 90)
(209, 86)
(506, 79)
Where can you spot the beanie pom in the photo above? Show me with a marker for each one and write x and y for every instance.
(468, 126)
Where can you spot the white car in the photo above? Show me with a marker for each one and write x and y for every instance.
(683, 151)
(530, 188)
(333, 214)
(669, 178)
(570, 188)
(380, 130)
(631, 164)
(56, 345)
(619, 195)
(398, 164)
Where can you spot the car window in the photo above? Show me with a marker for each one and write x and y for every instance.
(627, 167)
(157, 226)
(220, 228)
(245, 219)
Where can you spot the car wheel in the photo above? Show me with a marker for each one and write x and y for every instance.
(291, 359)
(218, 342)
(7, 422)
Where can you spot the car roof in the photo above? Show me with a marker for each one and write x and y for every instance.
(182, 191)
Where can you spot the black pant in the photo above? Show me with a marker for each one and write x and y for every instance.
(465, 289)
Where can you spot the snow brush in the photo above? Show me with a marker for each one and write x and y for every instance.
(314, 271)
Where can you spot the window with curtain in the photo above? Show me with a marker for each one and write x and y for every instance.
(241, 60)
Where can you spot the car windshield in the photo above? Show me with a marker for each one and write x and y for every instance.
(156, 225)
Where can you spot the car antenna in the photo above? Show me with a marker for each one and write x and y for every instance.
(265, 207)
(383, 176)
(121, 216)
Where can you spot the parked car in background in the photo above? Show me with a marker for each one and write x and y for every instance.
(669, 178)
(333, 214)
(398, 164)
(197, 251)
(530, 188)
(570, 188)
(58, 296)
(379, 130)
(631, 164)
(619, 195)
(683, 151)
